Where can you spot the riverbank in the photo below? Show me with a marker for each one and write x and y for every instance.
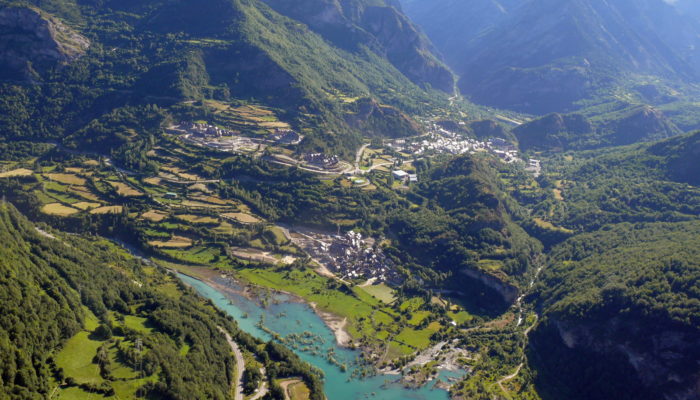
(309, 337)
(229, 285)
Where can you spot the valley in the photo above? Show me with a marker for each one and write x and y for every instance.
(349, 199)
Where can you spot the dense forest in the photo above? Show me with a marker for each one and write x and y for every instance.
(625, 292)
(64, 295)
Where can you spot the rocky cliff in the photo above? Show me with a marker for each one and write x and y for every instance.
(644, 362)
(381, 27)
(31, 40)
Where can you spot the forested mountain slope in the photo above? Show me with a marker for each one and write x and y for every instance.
(466, 228)
(632, 184)
(81, 316)
(542, 56)
(556, 132)
(165, 53)
(619, 299)
(352, 24)
(622, 314)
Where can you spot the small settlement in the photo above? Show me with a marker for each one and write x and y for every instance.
(440, 140)
(349, 256)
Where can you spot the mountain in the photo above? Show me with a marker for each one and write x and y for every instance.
(450, 24)
(621, 312)
(351, 24)
(681, 157)
(619, 298)
(176, 52)
(574, 131)
(553, 131)
(469, 231)
(542, 56)
(31, 40)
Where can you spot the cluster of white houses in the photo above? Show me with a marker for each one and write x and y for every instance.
(350, 256)
(203, 130)
(441, 140)
(322, 160)
(355, 258)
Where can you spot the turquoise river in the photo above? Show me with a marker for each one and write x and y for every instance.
(289, 317)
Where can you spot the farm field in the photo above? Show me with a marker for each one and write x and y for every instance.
(381, 292)
(20, 172)
(58, 209)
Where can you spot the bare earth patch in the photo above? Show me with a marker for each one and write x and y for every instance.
(337, 325)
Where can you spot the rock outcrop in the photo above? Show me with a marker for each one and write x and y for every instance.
(653, 363)
(383, 28)
(31, 40)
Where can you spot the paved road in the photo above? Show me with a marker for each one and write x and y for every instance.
(358, 158)
(240, 365)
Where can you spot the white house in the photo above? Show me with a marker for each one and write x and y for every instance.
(399, 174)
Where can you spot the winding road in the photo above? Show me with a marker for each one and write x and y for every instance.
(240, 365)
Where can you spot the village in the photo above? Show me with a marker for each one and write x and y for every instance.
(442, 141)
(437, 141)
(349, 256)
(211, 136)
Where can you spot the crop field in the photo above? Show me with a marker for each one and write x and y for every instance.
(58, 209)
(381, 292)
(242, 217)
(199, 204)
(460, 317)
(417, 339)
(125, 190)
(175, 242)
(418, 316)
(83, 192)
(411, 304)
(20, 172)
(197, 219)
(67, 179)
(278, 236)
(196, 255)
(213, 200)
(312, 287)
(84, 205)
(154, 215)
(107, 210)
